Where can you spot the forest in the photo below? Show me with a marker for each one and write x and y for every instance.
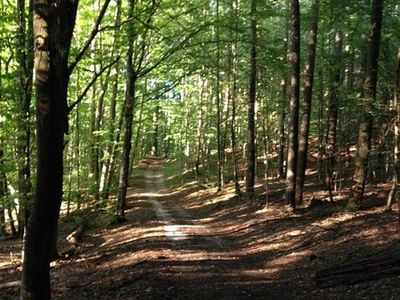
(178, 149)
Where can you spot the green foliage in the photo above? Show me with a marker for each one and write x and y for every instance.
(175, 56)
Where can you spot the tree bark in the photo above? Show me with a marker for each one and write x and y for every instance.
(232, 52)
(25, 63)
(251, 132)
(333, 114)
(218, 104)
(3, 186)
(370, 83)
(282, 131)
(54, 23)
(129, 104)
(293, 141)
(283, 104)
(306, 104)
(395, 159)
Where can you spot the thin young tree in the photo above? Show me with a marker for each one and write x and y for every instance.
(370, 84)
(293, 141)
(332, 118)
(395, 158)
(306, 103)
(218, 101)
(131, 78)
(232, 53)
(251, 131)
(283, 104)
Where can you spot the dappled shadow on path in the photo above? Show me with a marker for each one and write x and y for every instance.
(196, 244)
(193, 243)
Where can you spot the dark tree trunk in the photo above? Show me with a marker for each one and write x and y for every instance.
(53, 27)
(283, 104)
(251, 133)
(114, 152)
(232, 53)
(306, 104)
(25, 62)
(282, 131)
(370, 83)
(3, 187)
(134, 70)
(113, 108)
(2, 180)
(396, 158)
(293, 141)
(218, 103)
(129, 104)
(321, 108)
(333, 113)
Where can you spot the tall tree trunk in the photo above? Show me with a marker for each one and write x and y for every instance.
(3, 187)
(200, 129)
(129, 104)
(114, 154)
(25, 62)
(282, 131)
(251, 132)
(232, 53)
(77, 157)
(321, 108)
(333, 113)
(396, 165)
(139, 132)
(306, 104)
(370, 83)
(218, 103)
(293, 141)
(284, 102)
(53, 27)
(113, 108)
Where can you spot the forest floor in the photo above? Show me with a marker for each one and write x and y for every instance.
(190, 242)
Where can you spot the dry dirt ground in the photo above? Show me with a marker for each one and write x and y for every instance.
(192, 243)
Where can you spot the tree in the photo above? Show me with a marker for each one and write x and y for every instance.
(25, 62)
(54, 23)
(134, 69)
(306, 104)
(293, 141)
(220, 175)
(251, 133)
(370, 83)
(333, 103)
(395, 159)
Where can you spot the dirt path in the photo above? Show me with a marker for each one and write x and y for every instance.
(178, 224)
(191, 243)
(196, 261)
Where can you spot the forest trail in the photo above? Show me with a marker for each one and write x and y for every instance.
(178, 224)
(189, 242)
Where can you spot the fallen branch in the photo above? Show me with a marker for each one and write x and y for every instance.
(74, 239)
(364, 270)
(10, 285)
